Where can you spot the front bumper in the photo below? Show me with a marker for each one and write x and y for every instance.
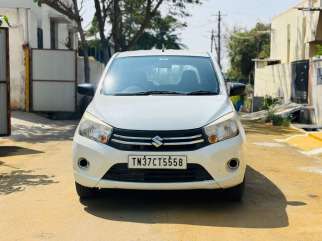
(213, 158)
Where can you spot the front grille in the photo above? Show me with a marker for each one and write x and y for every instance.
(193, 173)
(132, 140)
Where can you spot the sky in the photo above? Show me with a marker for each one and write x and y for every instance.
(242, 13)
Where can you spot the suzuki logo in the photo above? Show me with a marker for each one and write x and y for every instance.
(157, 141)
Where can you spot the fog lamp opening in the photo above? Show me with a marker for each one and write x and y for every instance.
(83, 164)
(233, 164)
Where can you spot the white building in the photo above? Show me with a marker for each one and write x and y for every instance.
(34, 27)
(292, 71)
(295, 33)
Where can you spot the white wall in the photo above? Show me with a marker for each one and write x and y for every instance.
(17, 3)
(303, 27)
(37, 17)
(274, 81)
(25, 17)
(316, 90)
(17, 70)
(96, 72)
(57, 95)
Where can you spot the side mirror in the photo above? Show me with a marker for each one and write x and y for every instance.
(236, 89)
(86, 89)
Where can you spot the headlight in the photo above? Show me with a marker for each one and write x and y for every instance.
(222, 129)
(95, 129)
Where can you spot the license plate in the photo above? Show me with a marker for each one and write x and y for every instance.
(158, 162)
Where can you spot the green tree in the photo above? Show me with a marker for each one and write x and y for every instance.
(5, 19)
(162, 33)
(318, 50)
(243, 47)
(131, 20)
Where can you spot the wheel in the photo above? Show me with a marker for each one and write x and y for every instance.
(85, 192)
(235, 194)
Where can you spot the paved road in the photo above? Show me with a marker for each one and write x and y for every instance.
(38, 201)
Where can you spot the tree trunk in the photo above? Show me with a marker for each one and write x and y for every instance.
(116, 20)
(86, 57)
(149, 14)
(84, 44)
(101, 26)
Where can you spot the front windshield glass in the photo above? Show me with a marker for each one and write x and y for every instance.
(171, 75)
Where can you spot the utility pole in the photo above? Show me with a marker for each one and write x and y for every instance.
(212, 41)
(219, 45)
(219, 39)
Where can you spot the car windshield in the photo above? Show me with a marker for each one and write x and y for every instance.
(161, 75)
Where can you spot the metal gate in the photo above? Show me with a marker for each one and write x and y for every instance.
(4, 83)
(300, 80)
(53, 80)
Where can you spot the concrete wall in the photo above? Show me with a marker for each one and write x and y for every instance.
(316, 89)
(292, 31)
(17, 70)
(274, 81)
(21, 3)
(97, 69)
(294, 37)
(37, 17)
(53, 85)
(25, 17)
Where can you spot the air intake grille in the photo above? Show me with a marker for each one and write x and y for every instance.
(194, 173)
(131, 140)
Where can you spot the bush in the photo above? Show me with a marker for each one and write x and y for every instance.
(248, 104)
(269, 102)
(235, 99)
(270, 115)
(280, 121)
(318, 50)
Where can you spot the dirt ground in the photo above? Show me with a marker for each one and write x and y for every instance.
(38, 201)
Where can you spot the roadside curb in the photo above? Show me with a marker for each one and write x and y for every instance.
(317, 136)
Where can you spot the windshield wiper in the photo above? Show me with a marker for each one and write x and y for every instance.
(155, 92)
(167, 92)
(202, 92)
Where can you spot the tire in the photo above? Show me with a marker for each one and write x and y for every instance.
(235, 194)
(85, 192)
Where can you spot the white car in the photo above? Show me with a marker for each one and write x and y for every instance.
(160, 120)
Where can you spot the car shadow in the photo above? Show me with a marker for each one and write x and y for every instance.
(6, 151)
(264, 206)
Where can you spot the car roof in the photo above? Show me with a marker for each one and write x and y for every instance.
(158, 52)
